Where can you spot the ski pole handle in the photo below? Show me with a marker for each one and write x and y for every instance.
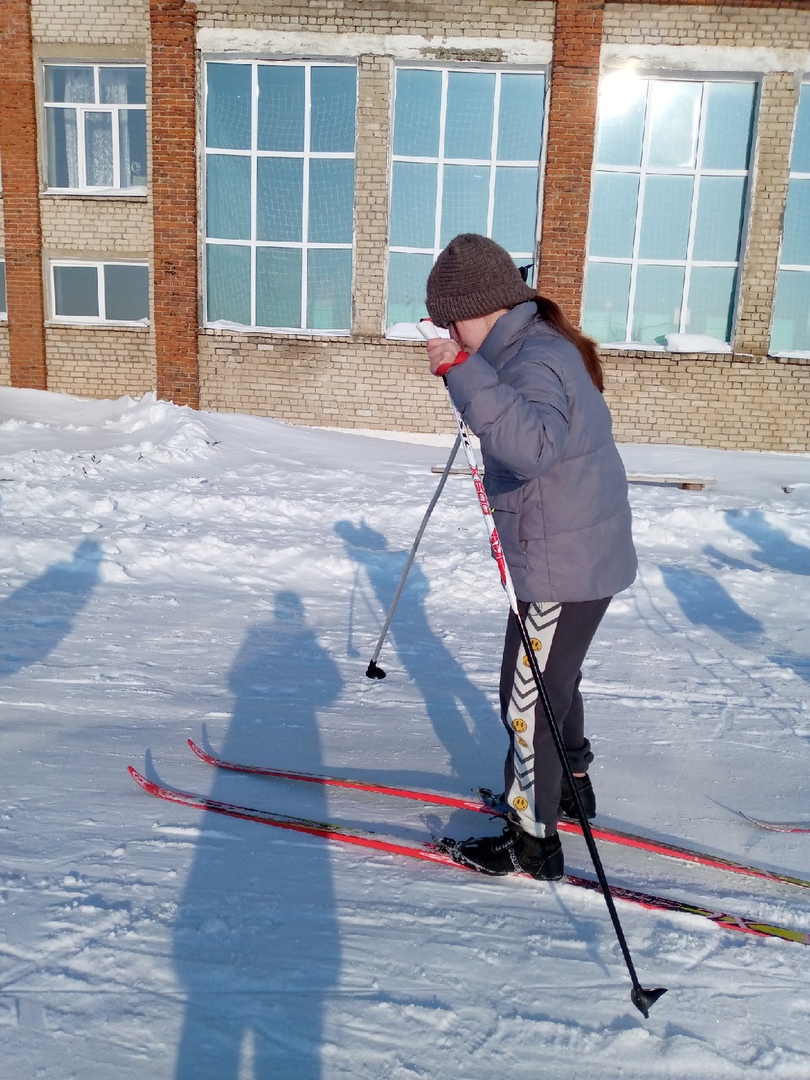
(428, 330)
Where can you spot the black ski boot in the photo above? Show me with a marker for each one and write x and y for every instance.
(587, 796)
(513, 852)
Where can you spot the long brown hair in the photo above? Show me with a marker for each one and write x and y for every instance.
(551, 313)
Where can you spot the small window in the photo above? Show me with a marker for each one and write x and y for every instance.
(103, 292)
(3, 301)
(668, 208)
(791, 318)
(95, 124)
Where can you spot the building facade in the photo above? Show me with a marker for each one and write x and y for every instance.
(237, 204)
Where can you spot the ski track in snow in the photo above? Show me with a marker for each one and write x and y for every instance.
(169, 574)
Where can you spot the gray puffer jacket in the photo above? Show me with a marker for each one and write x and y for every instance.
(552, 473)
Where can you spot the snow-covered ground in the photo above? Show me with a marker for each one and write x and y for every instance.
(169, 574)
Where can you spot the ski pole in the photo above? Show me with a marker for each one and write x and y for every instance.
(642, 998)
(373, 671)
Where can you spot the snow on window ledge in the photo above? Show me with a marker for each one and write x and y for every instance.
(696, 343)
(407, 331)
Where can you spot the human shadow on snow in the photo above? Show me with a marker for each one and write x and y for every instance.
(705, 602)
(36, 617)
(463, 719)
(256, 943)
(774, 547)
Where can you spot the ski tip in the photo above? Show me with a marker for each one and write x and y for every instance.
(374, 672)
(645, 999)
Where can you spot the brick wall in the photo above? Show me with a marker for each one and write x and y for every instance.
(23, 240)
(745, 399)
(100, 361)
(749, 403)
(174, 198)
(569, 153)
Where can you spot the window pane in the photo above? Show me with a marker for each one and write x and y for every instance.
(69, 83)
(413, 204)
(333, 97)
(281, 107)
(329, 289)
(228, 106)
(417, 113)
(331, 201)
(718, 227)
(674, 114)
(796, 230)
(63, 161)
(132, 147)
(607, 291)
(659, 291)
(228, 283)
(515, 218)
(278, 287)
(228, 197)
(711, 301)
(520, 117)
(613, 215)
(800, 161)
(791, 317)
(122, 86)
(729, 125)
(620, 127)
(126, 292)
(3, 307)
(407, 284)
(75, 290)
(464, 201)
(470, 110)
(280, 199)
(665, 218)
(98, 149)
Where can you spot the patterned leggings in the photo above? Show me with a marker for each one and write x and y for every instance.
(561, 635)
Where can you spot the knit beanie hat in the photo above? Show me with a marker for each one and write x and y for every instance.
(473, 276)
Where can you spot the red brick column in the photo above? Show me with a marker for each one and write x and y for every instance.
(18, 150)
(569, 156)
(174, 200)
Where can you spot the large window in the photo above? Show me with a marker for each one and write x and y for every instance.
(279, 194)
(791, 319)
(100, 292)
(668, 208)
(466, 158)
(95, 123)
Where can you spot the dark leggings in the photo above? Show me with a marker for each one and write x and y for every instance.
(561, 635)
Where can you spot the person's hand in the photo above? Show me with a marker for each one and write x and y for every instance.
(443, 353)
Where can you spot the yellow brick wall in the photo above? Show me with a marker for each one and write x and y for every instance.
(100, 361)
(705, 25)
(519, 18)
(90, 22)
(739, 404)
(368, 384)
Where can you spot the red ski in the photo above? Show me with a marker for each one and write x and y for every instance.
(433, 852)
(608, 835)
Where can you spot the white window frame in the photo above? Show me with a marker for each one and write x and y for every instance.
(4, 298)
(82, 107)
(801, 267)
(100, 319)
(644, 170)
(254, 154)
(524, 257)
